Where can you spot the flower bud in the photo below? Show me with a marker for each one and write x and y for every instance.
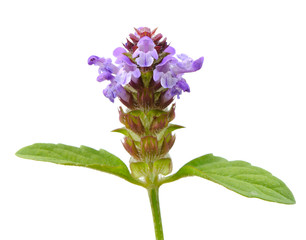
(134, 123)
(133, 38)
(171, 114)
(131, 121)
(131, 148)
(121, 115)
(168, 142)
(159, 122)
(149, 146)
(157, 37)
(162, 120)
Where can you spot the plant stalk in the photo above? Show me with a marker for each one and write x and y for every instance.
(154, 200)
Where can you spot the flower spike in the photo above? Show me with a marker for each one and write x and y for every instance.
(147, 69)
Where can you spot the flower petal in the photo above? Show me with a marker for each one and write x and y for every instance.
(168, 81)
(105, 76)
(136, 73)
(170, 50)
(123, 77)
(136, 53)
(92, 59)
(110, 92)
(118, 51)
(144, 59)
(197, 64)
(122, 93)
(182, 84)
(154, 54)
(157, 75)
(146, 44)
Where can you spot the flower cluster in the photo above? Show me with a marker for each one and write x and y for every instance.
(146, 73)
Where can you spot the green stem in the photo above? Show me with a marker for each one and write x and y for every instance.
(154, 200)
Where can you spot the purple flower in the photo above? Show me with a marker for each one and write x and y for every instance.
(169, 79)
(104, 64)
(163, 72)
(128, 69)
(123, 74)
(170, 71)
(187, 64)
(176, 90)
(110, 91)
(146, 52)
(106, 68)
(114, 90)
(180, 86)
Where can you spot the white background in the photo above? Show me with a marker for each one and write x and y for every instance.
(246, 103)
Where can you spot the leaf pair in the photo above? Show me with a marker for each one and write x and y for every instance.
(238, 176)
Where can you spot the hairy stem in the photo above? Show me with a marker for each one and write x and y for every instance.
(154, 200)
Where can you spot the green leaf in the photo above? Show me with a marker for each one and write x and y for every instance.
(238, 176)
(123, 131)
(84, 157)
(172, 127)
(128, 133)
